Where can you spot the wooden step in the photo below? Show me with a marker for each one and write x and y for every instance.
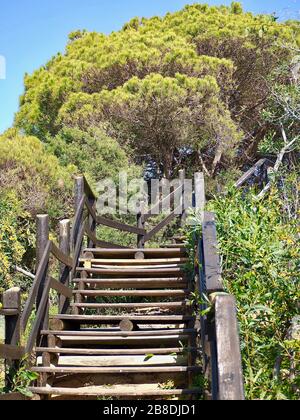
(117, 370)
(135, 272)
(146, 333)
(141, 293)
(150, 305)
(130, 253)
(118, 361)
(135, 283)
(134, 262)
(113, 319)
(172, 247)
(137, 341)
(118, 352)
(130, 390)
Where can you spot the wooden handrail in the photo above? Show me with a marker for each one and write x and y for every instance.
(36, 284)
(247, 175)
(60, 256)
(90, 210)
(229, 360)
(88, 190)
(120, 226)
(162, 224)
(61, 288)
(161, 203)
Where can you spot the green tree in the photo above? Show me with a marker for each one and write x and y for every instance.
(239, 50)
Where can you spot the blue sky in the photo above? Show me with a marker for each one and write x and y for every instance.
(32, 31)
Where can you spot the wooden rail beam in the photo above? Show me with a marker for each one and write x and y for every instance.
(65, 271)
(230, 373)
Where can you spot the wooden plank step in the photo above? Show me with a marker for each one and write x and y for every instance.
(172, 247)
(150, 305)
(138, 341)
(111, 319)
(118, 361)
(136, 269)
(117, 370)
(142, 293)
(118, 352)
(125, 334)
(137, 272)
(135, 283)
(129, 253)
(134, 262)
(129, 390)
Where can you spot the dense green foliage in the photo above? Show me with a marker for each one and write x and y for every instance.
(260, 250)
(199, 62)
(31, 182)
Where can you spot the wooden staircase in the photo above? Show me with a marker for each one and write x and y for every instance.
(144, 346)
(128, 322)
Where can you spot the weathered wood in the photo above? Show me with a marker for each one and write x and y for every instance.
(103, 244)
(78, 221)
(162, 224)
(9, 352)
(42, 240)
(147, 333)
(141, 226)
(42, 314)
(112, 319)
(91, 210)
(125, 370)
(136, 283)
(151, 341)
(120, 226)
(200, 199)
(130, 253)
(77, 249)
(252, 171)
(212, 266)
(13, 396)
(9, 312)
(135, 262)
(170, 198)
(60, 288)
(60, 256)
(79, 190)
(65, 271)
(163, 272)
(124, 352)
(144, 293)
(150, 305)
(88, 190)
(115, 391)
(12, 302)
(230, 374)
(92, 237)
(126, 325)
(41, 272)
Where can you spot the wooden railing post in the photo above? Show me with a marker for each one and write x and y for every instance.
(199, 196)
(11, 305)
(78, 195)
(182, 181)
(141, 225)
(42, 238)
(65, 247)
